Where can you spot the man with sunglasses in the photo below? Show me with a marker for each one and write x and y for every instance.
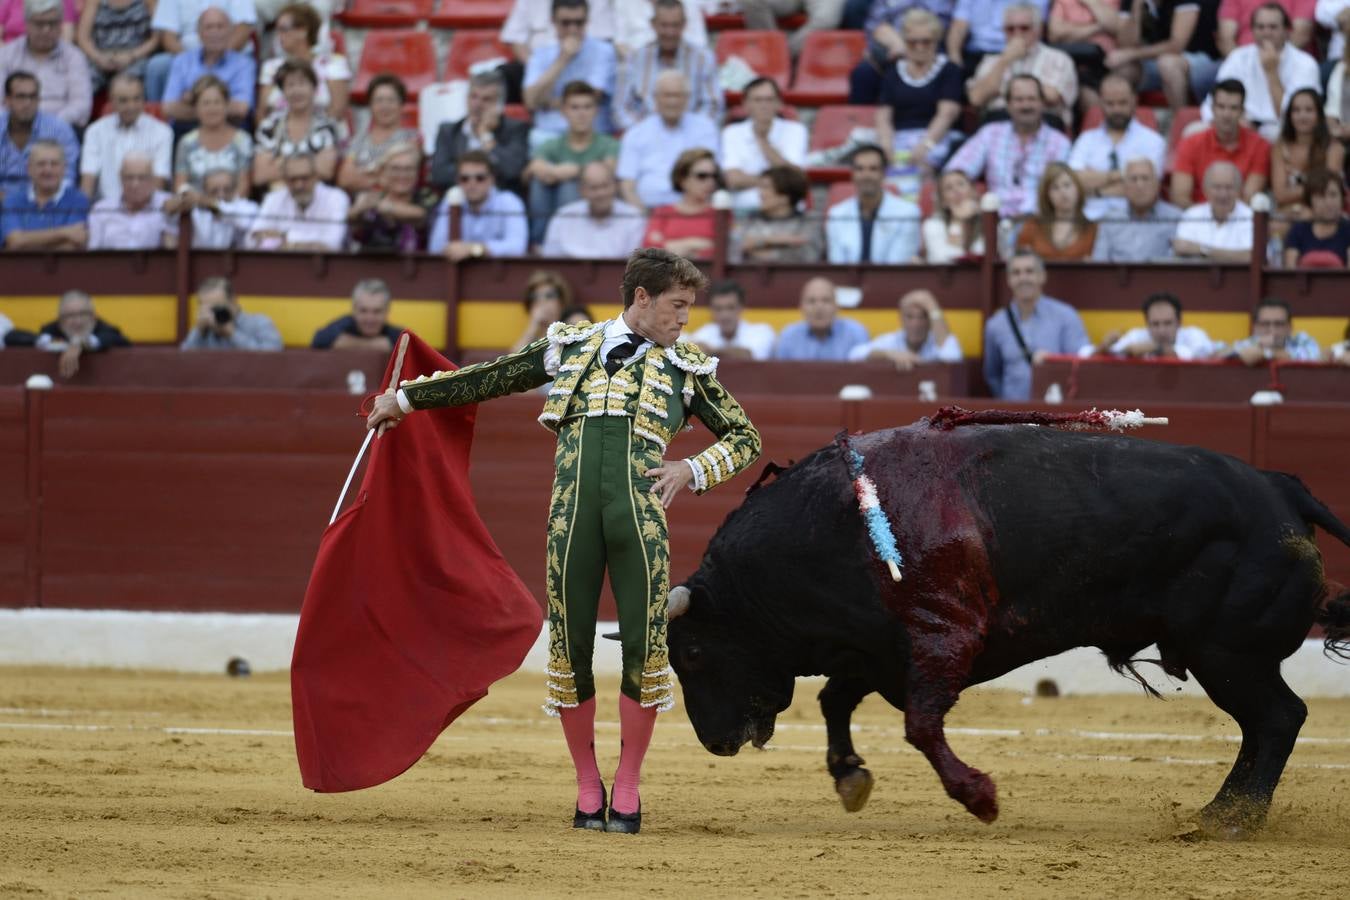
(59, 66)
(1025, 54)
(492, 222)
(574, 57)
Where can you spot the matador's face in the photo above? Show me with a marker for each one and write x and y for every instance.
(662, 318)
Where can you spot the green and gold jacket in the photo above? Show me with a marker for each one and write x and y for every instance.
(671, 384)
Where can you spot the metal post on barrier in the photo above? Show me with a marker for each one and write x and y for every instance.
(989, 262)
(1260, 239)
(182, 275)
(35, 399)
(721, 203)
(454, 204)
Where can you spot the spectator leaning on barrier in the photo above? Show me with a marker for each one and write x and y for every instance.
(366, 327)
(728, 335)
(135, 220)
(1219, 229)
(1338, 352)
(213, 56)
(1328, 230)
(1099, 154)
(76, 331)
(307, 215)
(649, 149)
(1273, 337)
(50, 214)
(221, 323)
(780, 231)
(484, 127)
(952, 232)
(1011, 156)
(492, 221)
(23, 125)
(636, 79)
(821, 335)
(1271, 70)
(1024, 53)
(59, 66)
(1028, 329)
(125, 130)
(1226, 139)
(221, 219)
(555, 172)
(1162, 336)
(1168, 45)
(764, 139)
(873, 225)
(573, 57)
(1143, 231)
(923, 338)
(597, 226)
(176, 24)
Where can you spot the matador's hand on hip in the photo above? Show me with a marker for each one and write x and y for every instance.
(671, 478)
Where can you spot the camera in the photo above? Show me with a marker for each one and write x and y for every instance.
(223, 314)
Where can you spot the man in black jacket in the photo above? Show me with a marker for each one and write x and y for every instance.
(505, 141)
(77, 330)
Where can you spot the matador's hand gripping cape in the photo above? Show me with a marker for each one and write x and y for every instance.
(411, 611)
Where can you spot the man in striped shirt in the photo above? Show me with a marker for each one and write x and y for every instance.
(636, 84)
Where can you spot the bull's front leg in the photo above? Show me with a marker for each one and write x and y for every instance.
(838, 699)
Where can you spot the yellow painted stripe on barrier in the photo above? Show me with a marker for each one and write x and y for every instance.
(297, 318)
(145, 319)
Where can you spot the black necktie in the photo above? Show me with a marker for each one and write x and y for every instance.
(614, 359)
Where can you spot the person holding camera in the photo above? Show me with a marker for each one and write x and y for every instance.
(222, 325)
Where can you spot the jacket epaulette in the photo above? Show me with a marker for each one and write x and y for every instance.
(691, 358)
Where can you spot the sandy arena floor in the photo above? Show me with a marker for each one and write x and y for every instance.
(153, 785)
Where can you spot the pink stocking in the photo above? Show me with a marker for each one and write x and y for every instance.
(578, 724)
(635, 725)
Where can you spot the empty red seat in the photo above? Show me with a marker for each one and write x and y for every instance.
(385, 13)
(1094, 117)
(824, 65)
(729, 21)
(471, 46)
(407, 54)
(832, 128)
(765, 51)
(471, 14)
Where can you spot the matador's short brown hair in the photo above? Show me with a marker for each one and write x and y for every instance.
(657, 271)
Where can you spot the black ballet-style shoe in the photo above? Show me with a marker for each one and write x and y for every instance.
(624, 823)
(592, 821)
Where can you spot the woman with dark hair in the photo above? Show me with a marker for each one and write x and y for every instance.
(214, 144)
(394, 216)
(299, 128)
(547, 294)
(297, 28)
(1059, 231)
(686, 227)
(387, 95)
(779, 231)
(1326, 228)
(1304, 145)
(952, 232)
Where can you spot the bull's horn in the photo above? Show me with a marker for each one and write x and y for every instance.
(678, 602)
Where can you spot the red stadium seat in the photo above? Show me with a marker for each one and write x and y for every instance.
(765, 51)
(471, 14)
(824, 65)
(832, 128)
(1094, 117)
(407, 54)
(736, 21)
(470, 46)
(385, 13)
(1320, 259)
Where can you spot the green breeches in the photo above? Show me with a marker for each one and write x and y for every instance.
(602, 517)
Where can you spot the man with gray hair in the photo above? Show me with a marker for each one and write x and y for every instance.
(1219, 229)
(1031, 327)
(506, 141)
(366, 327)
(648, 150)
(109, 139)
(1025, 54)
(58, 65)
(220, 218)
(669, 49)
(77, 330)
(1143, 231)
(51, 214)
(307, 215)
(175, 23)
(136, 220)
(598, 225)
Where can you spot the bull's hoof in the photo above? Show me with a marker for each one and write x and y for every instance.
(1233, 821)
(854, 789)
(979, 796)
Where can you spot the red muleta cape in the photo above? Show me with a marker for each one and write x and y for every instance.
(411, 611)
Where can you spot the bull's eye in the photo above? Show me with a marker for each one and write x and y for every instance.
(692, 656)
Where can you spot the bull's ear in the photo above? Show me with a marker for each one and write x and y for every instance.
(677, 604)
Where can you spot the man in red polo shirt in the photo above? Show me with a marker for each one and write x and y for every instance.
(1226, 139)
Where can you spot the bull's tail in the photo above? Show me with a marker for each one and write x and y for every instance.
(1334, 616)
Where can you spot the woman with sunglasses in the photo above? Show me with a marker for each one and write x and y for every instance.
(686, 227)
(547, 294)
(921, 96)
(1304, 146)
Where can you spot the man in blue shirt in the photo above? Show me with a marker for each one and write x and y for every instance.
(238, 70)
(648, 150)
(1027, 330)
(821, 335)
(22, 126)
(492, 223)
(51, 213)
(574, 57)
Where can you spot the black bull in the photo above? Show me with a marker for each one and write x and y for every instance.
(1019, 543)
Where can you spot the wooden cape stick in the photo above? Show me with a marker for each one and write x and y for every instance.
(373, 432)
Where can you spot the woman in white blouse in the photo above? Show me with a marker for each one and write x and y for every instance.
(953, 231)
